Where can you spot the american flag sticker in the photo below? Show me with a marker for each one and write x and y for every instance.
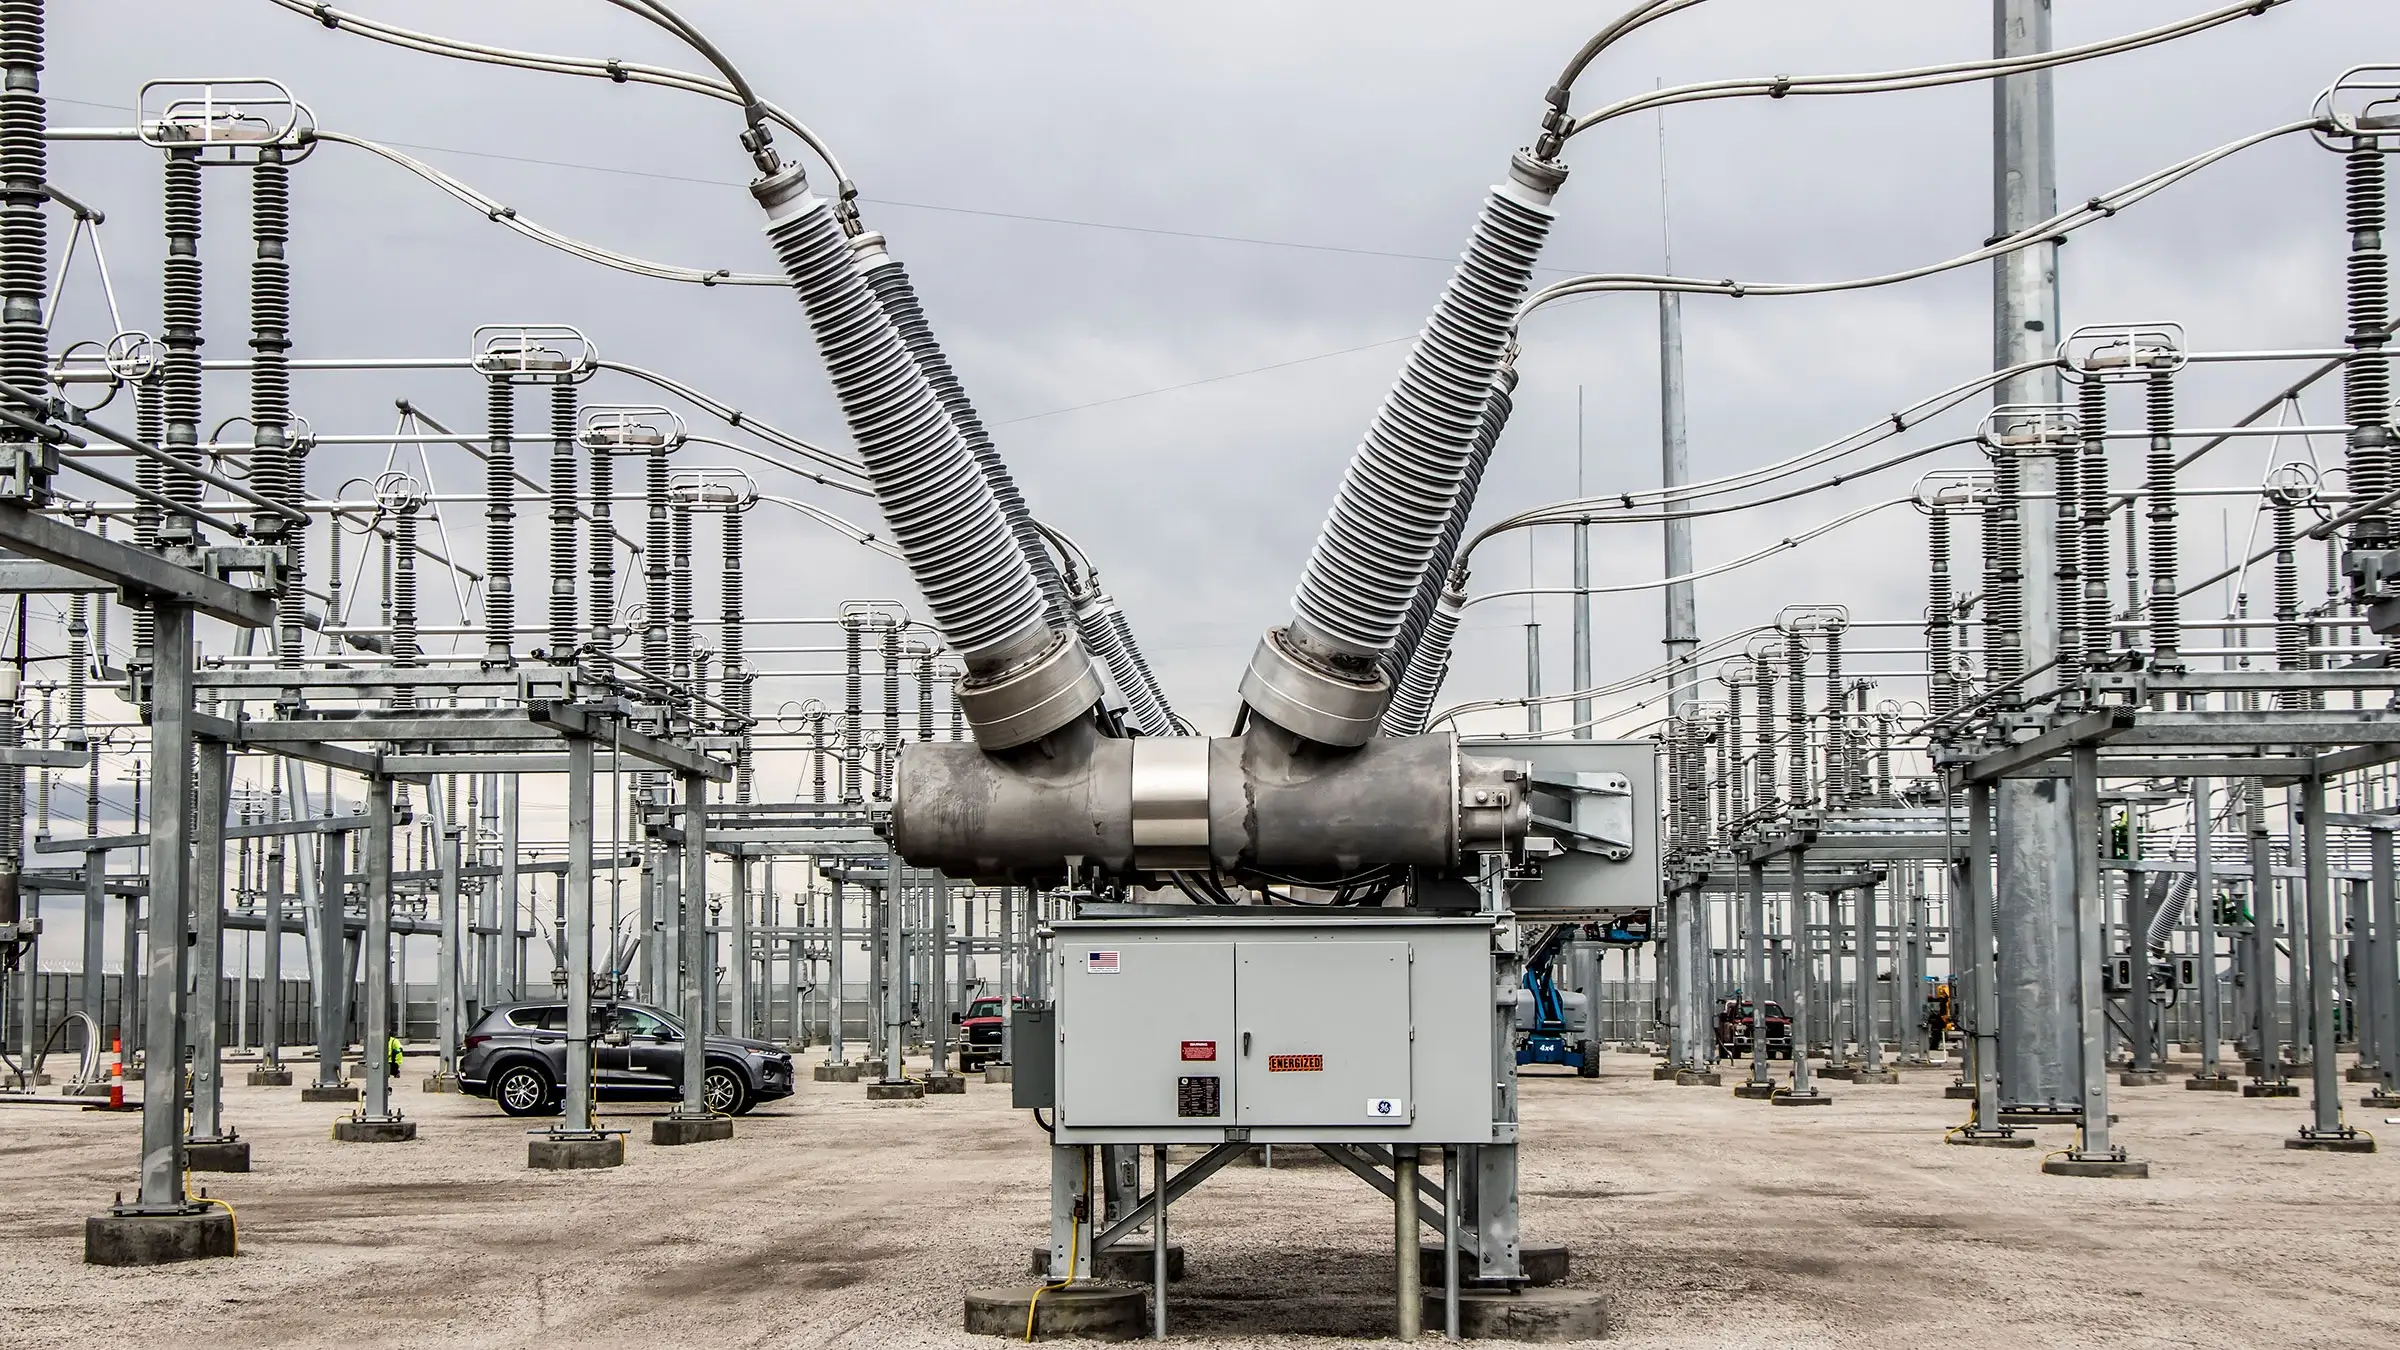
(1100, 963)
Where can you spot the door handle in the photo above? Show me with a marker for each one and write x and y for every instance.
(1245, 1045)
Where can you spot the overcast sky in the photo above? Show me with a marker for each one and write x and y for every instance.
(1175, 253)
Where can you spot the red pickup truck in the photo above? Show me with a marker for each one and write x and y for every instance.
(979, 1035)
(1733, 1030)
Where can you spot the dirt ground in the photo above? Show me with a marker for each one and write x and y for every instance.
(830, 1222)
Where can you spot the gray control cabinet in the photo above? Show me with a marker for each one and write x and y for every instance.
(1283, 1029)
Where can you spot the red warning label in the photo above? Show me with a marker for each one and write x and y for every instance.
(1295, 1064)
(1199, 1050)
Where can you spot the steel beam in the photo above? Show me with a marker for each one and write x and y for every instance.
(139, 572)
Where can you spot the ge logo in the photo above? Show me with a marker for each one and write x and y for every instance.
(1384, 1108)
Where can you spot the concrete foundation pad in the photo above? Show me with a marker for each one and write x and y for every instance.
(157, 1239)
(668, 1131)
(345, 1092)
(2142, 1078)
(2380, 1101)
(574, 1153)
(2332, 1143)
(2362, 1073)
(1971, 1138)
(837, 1073)
(945, 1085)
(2204, 1083)
(1126, 1263)
(1663, 1073)
(1886, 1077)
(2123, 1169)
(393, 1131)
(441, 1082)
(1699, 1078)
(999, 1073)
(1525, 1315)
(1839, 1073)
(270, 1078)
(1088, 1311)
(1959, 1092)
(2270, 1089)
(216, 1155)
(1812, 1097)
(96, 1088)
(1541, 1263)
(906, 1090)
(1754, 1092)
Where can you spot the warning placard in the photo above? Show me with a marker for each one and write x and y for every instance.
(1295, 1064)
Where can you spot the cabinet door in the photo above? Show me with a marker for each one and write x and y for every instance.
(1326, 1030)
(1145, 1033)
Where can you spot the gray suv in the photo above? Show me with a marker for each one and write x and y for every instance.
(517, 1056)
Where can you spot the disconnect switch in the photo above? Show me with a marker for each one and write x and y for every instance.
(1033, 1081)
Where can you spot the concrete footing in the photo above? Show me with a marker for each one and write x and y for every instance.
(1886, 1077)
(437, 1081)
(1754, 1092)
(339, 1092)
(1699, 1078)
(157, 1239)
(838, 1073)
(359, 1130)
(668, 1131)
(1812, 1097)
(574, 1153)
(2380, 1101)
(2141, 1078)
(999, 1073)
(1839, 1073)
(1126, 1263)
(1663, 1073)
(1523, 1315)
(264, 1077)
(216, 1155)
(2362, 1073)
(905, 1090)
(2121, 1169)
(945, 1085)
(1959, 1092)
(2201, 1082)
(2270, 1089)
(1541, 1263)
(98, 1087)
(2348, 1141)
(1970, 1137)
(1086, 1311)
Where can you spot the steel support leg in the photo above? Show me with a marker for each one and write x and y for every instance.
(162, 1175)
(208, 942)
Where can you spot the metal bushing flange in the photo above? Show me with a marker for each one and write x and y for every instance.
(1308, 701)
(1170, 802)
(1030, 701)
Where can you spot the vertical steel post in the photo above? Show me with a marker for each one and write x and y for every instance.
(576, 1117)
(2033, 916)
(699, 971)
(452, 938)
(737, 899)
(1158, 1233)
(2091, 911)
(894, 966)
(1803, 1086)
(508, 961)
(162, 1188)
(208, 939)
(941, 1011)
(2326, 1125)
(1410, 1298)
(834, 1012)
(375, 1028)
(270, 970)
(332, 973)
(2269, 1064)
(2377, 967)
(1754, 977)
(2204, 900)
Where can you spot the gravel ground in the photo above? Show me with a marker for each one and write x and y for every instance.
(830, 1222)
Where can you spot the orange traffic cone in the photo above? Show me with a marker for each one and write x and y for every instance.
(116, 1073)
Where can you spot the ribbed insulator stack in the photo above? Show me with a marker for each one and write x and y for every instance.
(179, 337)
(1762, 674)
(656, 541)
(2099, 644)
(291, 605)
(2291, 640)
(1837, 723)
(2091, 419)
(853, 705)
(1720, 782)
(1406, 477)
(1153, 697)
(1101, 623)
(1941, 696)
(150, 425)
(942, 513)
(733, 681)
(405, 651)
(925, 696)
(816, 755)
(24, 228)
(1883, 756)
(2004, 577)
(500, 522)
(891, 712)
(2367, 378)
(79, 660)
(898, 296)
(1677, 746)
(271, 341)
(563, 597)
(2166, 605)
(1445, 553)
(1737, 786)
(681, 649)
(1695, 787)
(1411, 707)
(1795, 666)
(601, 628)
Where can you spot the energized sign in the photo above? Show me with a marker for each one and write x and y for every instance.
(1295, 1064)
